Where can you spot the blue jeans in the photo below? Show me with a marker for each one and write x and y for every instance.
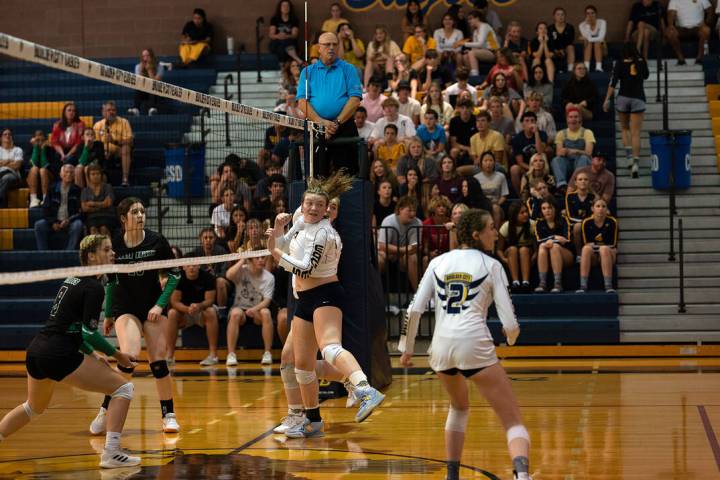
(43, 230)
(563, 167)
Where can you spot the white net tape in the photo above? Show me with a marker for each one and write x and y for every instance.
(15, 278)
(50, 57)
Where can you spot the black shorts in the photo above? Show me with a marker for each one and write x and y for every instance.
(465, 373)
(328, 295)
(53, 357)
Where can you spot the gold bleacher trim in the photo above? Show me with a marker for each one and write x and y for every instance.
(15, 110)
(14, 218)
(6, 239)
(18, 198)
(712, 91)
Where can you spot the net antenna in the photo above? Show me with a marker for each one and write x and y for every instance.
(57, 59)
(309, 137)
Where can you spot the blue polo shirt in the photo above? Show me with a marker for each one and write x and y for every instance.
(329, 87)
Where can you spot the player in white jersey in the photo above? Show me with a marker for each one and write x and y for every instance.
(464, 283)
(314, 253)
(323, 370)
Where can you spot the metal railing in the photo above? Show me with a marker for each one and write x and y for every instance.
(228, 96)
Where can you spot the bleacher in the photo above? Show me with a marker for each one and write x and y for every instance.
(31, 98)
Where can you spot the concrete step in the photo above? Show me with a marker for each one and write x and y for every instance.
(676, 119)
(682, 201)
(679, 322)
(649, 191)
(628, 183)
(699, 157)
(652, 310)
(672, 66)
(627, 284)
(668, 269)
(692, 124)
(664, 235)
(668, 337)
(651, 86)
(665, 296)
(649, 246)
(697, 107)
(251, 76)
(696, 133)
(663, 212)
(697, 170)
(662, 256)
(696, 151)
(654, 224)
(679, 74)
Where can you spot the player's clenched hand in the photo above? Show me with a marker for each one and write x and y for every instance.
(406, 359)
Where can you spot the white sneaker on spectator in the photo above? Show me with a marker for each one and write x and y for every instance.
(393, 309)
(598, 67)
(266, 358)
(133, 111)
(152, 111)
(209, 360)
(35, 202)
(231, 360)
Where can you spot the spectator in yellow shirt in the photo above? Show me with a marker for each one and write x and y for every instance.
(416, 45)
(391, 150)
(116, 135)
(333, 23)
(487, 140)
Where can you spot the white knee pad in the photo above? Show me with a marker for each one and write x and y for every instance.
(124, 391)
(305, 377)
(288, 376)
(331, 352)
(29, 411)
(517, 431)
(457, 420)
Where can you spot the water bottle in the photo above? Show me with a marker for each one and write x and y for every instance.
(230, 46)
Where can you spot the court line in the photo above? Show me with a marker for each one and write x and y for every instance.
(490, 475)
(712, 438)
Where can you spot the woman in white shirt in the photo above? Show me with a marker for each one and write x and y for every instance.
(464, 283)
(11, 160)
(448, 40)
(484, 42)
(592, 31)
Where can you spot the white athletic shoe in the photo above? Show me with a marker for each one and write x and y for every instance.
(231, 360)
(292, 420)
(209, 361)
(634, 170)
(117, 459)
(35, 202)
(522, 476)
(170, 424)
(266, 358)
(133, 111)
(97, 426)
(152, 111)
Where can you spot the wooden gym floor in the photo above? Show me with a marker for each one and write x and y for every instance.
(601, 417)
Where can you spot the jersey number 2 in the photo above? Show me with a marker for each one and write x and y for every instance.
(457, 292)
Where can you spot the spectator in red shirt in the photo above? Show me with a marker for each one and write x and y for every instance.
(435, 236)
(66, 138)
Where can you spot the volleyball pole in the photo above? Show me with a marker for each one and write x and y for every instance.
(309, 136)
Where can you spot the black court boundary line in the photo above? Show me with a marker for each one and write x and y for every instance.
(712, 438)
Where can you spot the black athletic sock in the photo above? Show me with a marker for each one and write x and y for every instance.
(106, 402)
(453, 470)
(313, 414)
(167, 407)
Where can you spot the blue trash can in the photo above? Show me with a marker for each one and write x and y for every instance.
(661, 142)
(175, 158)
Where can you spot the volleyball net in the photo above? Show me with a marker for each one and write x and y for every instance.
(181, 130)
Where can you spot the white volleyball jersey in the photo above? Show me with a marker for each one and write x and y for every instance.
(464, 283)
(314, 250)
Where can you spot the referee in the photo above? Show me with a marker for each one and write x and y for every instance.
(333, 94)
